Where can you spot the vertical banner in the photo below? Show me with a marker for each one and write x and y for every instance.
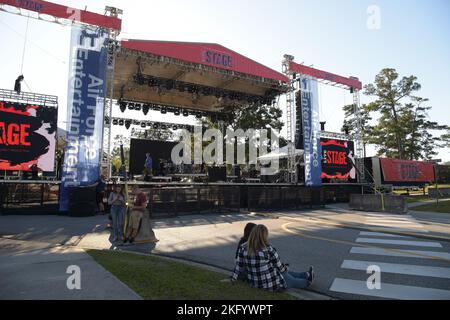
(85, 108)
(311, 129)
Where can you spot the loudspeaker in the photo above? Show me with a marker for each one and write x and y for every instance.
(82, 209)
(82, 202)
(216, 174)
(298, 121)
(237, 171)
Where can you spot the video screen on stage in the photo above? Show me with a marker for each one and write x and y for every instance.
(338, 158)
(157, 149)
(27, 136)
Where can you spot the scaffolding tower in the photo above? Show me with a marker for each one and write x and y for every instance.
(113, 49)
(350, 83)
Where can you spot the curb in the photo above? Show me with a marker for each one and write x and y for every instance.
(297, 293)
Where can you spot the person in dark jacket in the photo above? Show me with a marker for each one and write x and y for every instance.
(247, 230)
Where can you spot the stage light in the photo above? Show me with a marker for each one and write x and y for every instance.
(322, 125)
(137, 107)
(175, 128)
(115, 122)
(185, 113)
(163, 127)
(131, 106)
(177, 112)
(127, 124)
(123, 106)
(143, 125)
(198, 115)
(121, 122)
(163, 110)
(145, 108)
(155, 126)
(169, 84)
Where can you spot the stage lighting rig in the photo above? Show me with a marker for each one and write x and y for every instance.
(127, 124)
(121, 122)
(137, 107)
(143, 125)
(185, 113)
(123, 106)
(163, 110)
(115, 122)
(145, 108)
(177, 112)
(130, 106)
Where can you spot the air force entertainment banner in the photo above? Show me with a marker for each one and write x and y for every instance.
(311, 129)
(86, 98)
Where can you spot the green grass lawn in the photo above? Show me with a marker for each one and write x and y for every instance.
(443, 206)
(156, 278)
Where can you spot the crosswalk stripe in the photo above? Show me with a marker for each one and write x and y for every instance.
(371, 215)
(389, 291)
(380, 234)
(394, 222)
(413, 270)
(405, 253)
(400, 230)
(400, 242)
(390, 219)
(403, 225)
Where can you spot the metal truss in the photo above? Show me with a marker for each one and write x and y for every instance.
(113, 49)
(28, 98)
(359, 144)
(290, 120)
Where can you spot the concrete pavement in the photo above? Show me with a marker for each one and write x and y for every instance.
(321, 238)
(34, 264)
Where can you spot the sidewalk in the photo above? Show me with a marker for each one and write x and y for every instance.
(31, 270)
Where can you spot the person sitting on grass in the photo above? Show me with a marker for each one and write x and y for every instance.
(247, 230)
(136, 214)
(263, 265)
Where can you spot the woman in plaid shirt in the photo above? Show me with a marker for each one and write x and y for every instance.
(263, 266)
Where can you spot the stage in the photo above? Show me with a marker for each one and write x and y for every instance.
(168, 199)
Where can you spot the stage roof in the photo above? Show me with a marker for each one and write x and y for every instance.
(207, 65)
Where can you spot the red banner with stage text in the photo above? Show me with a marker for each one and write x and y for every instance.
(407, 171)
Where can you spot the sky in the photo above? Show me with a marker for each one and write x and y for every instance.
(411, 36)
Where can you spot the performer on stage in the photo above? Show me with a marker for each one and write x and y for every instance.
(148, 166)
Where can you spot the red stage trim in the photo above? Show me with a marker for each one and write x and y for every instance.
(407, 171)
(319, 74)
(59, 11)
(209, 54)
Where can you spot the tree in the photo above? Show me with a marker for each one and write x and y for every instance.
(403, 129)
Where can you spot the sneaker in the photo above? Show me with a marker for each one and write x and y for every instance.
(312, 275)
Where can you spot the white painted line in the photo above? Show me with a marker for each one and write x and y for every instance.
(401, 242)
(413, 270)
(380, 234)
(389, 291)
(398, 230)
(392, 221)
(388, 216)
(392, 224)
(404, 253)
